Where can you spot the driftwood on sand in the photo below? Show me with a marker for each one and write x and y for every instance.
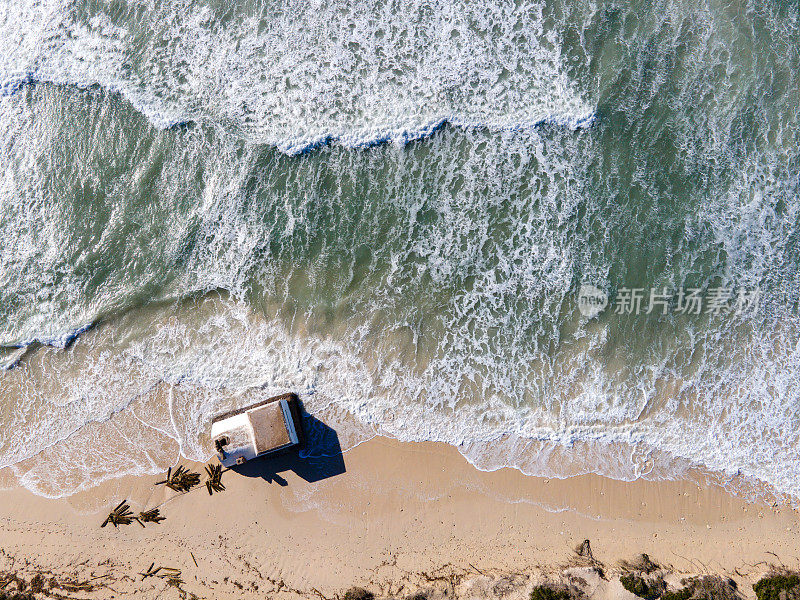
(171, 575)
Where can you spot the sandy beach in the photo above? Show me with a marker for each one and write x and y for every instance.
(400, 518)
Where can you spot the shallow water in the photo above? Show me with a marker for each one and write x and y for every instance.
(390, 209)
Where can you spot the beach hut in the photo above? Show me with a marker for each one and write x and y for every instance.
(262, 429)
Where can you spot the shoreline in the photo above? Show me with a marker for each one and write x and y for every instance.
(398, 513)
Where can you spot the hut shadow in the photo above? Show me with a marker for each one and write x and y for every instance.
(319, 457)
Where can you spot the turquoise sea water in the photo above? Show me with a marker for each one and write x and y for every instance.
(390, 208)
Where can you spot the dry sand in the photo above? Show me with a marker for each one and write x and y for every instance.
(401, 517)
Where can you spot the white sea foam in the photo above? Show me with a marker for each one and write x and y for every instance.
(147, 388)
(299, 74)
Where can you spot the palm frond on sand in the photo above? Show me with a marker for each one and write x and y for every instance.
(150, 516)
(121, 515)
(181, 479)
(214, 482)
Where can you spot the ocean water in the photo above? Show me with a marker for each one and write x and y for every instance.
(390, 208)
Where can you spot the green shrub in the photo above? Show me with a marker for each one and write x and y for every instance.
(711, 587)
(357, 593)
(16, 596)
(639, 586)
(706, 587)
(683, 594)
(783, 586)
(548, 592)
(37, 584)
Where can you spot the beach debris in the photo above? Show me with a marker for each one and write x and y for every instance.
(150, 572)
(168, 573)
(584, 557)
(173, 576)
(77, 586)
(585, 550)
(16, 585)
(181, 479)
(174, 580)
(214, 482)
(121, 515)
(150, 516)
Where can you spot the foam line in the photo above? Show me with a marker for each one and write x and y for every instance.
(353, 141)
